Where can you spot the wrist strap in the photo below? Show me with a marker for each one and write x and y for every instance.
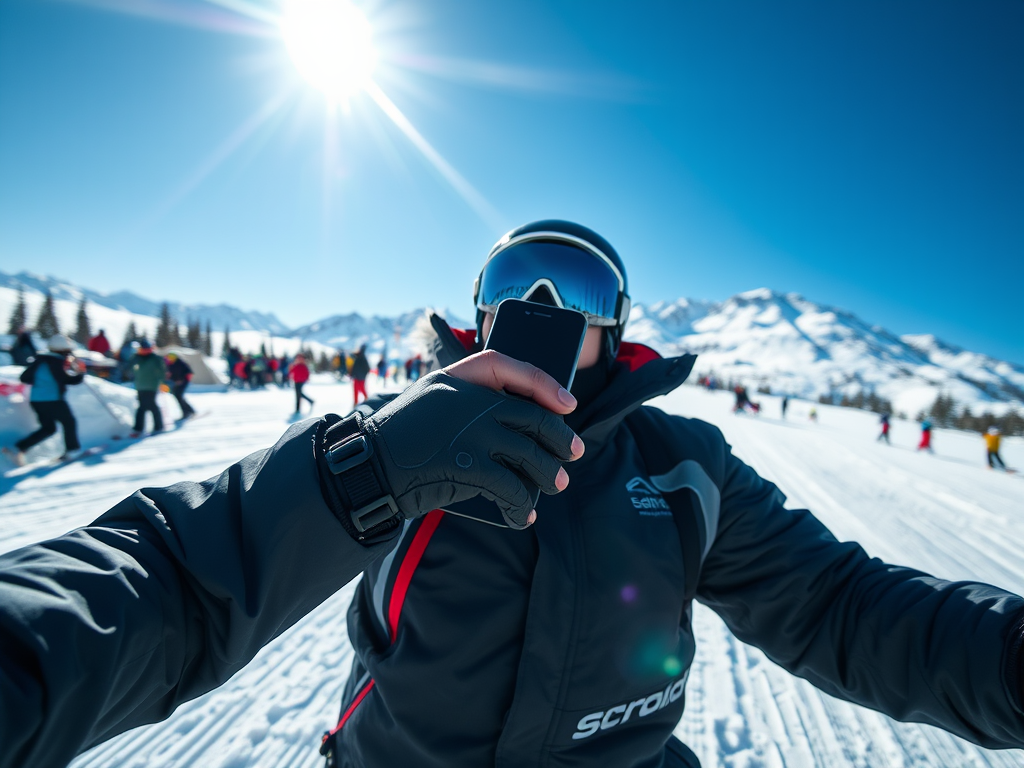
(348, 453)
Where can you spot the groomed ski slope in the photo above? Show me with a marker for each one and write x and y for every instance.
(947, 514)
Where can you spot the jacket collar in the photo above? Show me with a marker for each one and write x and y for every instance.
(639, 374)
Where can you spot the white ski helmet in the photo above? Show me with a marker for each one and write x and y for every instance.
(60, 343)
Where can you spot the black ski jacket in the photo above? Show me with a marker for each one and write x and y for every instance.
(569, 644)
(481, 646)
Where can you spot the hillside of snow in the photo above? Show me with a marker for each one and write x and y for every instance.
(220, 316)
(945, 513)
(797, 347)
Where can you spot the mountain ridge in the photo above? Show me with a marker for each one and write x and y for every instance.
(761, 337)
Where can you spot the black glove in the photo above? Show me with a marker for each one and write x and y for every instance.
(446, 440)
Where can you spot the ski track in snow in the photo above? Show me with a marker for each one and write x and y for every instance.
(946, 514)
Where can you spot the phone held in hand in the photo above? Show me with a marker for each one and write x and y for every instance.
(550, 338)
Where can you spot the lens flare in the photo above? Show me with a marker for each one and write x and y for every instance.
(331, 44)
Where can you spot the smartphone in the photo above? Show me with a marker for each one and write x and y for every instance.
(550, 338)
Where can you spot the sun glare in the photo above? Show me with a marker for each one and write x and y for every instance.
(331, 43)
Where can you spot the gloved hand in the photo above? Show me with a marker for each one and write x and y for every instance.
(449, 437)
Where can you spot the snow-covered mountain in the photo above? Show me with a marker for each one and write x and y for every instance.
(758, 338)
(220, 316)
(402, 335)
(794, 346)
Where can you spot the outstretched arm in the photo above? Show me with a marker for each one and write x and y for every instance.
(893, 639)
(161, 599)
(173, 590)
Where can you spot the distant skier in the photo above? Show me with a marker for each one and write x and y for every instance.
(180, 374)
(742, 400)
(299, 373)
(926, 437)
(49, 375)
(148, 371)
(23, 349)
(240, 371)
(382, 370)
(884, 434)
(813, 415)
(100, 343)
(360, 369)
(785, 405)
(992, 440)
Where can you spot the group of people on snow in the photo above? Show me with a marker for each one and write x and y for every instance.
(48, 375)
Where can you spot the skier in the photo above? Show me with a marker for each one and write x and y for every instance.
(49, 374)
(100, 343)
(180, 374)
(148, 372)
(992, 440)
(926, 437)
(241, 371)
(884, 434)
(785, 405)
(479, 645)
(299, 373)
(382, 370)
(360, 370)
(23, 350)
(813, 414)
(742, 399)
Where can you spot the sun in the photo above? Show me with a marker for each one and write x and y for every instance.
(331, 43)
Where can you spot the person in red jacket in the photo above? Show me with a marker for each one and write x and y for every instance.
(100, 343)
(299, 373)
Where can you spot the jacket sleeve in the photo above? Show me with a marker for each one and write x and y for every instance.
(893, 639)
(163, 598)
(28, 376)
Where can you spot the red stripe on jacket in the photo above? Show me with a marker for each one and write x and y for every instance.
(405, 572)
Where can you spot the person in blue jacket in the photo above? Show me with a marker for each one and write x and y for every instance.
(559, 635)
(49, 375)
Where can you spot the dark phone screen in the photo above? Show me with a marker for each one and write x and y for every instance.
(548, 337)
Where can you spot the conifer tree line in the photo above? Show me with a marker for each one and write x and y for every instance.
(168, 332)
(945, 412)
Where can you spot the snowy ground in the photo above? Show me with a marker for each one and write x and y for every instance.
(946, 513)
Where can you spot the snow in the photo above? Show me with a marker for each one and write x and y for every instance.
(945, 513)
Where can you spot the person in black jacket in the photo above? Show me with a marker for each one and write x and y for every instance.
(559, 635)
(180, 374)
(50, 374)
(23, 350)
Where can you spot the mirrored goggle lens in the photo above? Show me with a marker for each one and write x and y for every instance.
(580, 279)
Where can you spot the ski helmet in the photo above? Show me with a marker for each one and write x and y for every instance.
(560, 263)
(60, 343)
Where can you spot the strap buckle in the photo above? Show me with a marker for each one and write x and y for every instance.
(348, 454)
(374, 513)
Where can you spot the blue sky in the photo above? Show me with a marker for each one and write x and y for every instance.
(865, 154)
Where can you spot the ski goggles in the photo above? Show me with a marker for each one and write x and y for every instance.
(578, 276)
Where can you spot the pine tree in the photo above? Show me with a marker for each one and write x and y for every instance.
(47, 325)
(194, 339)
(208, 341)
(226, 346)
(323, 363)
(130, 335)
(165, 331)
(83, 332)
(19, 317)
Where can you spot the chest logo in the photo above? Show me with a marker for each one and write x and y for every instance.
(647, 500)
(642, 707)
